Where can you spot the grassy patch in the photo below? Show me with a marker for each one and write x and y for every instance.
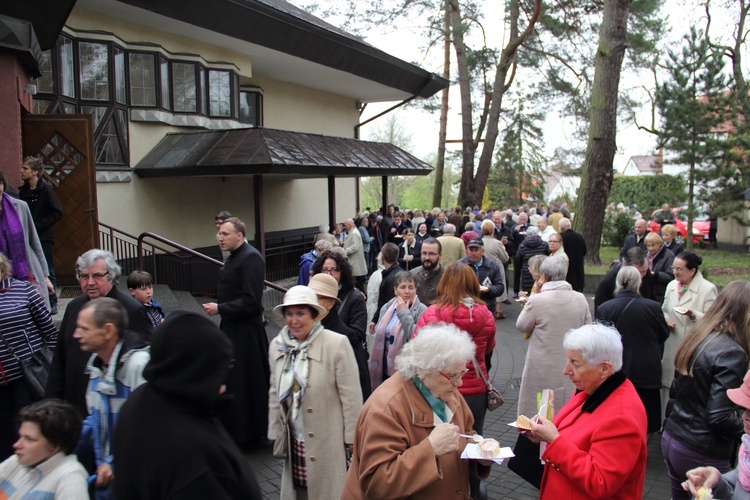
(719, 266)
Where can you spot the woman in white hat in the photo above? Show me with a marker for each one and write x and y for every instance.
(734, 484)
(314, 399)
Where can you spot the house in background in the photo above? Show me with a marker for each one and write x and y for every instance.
(643, 165)
(156, 115)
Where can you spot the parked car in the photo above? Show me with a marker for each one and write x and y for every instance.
(700, 228)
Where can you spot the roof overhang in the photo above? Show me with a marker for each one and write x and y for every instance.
(18, 35)
(46, 16)
(275, 154)
(285, 43)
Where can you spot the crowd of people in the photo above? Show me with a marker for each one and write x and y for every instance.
(377, 380)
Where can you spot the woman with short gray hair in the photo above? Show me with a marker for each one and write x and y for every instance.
(596, 443)
(546, 317)
(407, 441)
(644, 331)
(532, 245)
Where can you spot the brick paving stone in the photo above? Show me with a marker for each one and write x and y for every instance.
(507, 367)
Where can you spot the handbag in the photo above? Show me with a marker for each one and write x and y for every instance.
(494, 398)
(526, 462)
(281, 444)
(35, 369)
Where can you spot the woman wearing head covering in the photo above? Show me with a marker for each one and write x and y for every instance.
(168, 442)
(314, 399)
(407, 442)
(596, 444)
(643, 329)
(703, 426)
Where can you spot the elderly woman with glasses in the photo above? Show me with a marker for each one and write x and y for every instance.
(313, 400)
(596, 444)
(407, 441)
(556, 247)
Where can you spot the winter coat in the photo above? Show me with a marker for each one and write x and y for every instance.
(479, 323)
(601, 450)
(548, 316)
(168, 443)
(662, 272)
(532, 245)
(393, 457)
(305, 265)
(699, 296)
(45, 208)
(355, 252)
(329, 413)
(703, 418)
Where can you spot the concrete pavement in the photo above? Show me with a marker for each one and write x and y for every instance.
(507, 367)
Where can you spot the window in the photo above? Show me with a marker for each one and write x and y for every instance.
(44, 83)
(94, 71)
(202, 75)
(142, 80)
(250, 107)
(120, 94)
(165, 86)
(219, 93)
(67, 75)
(183, 87)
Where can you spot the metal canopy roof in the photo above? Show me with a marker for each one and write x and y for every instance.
(274, 153)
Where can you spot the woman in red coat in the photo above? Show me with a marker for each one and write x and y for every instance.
(458, 303)
(596, 444)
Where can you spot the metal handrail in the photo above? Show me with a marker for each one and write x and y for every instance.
(189, 251)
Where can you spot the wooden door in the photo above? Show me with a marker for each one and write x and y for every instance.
(66, 145)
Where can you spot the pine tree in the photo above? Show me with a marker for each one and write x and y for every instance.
(692, 105)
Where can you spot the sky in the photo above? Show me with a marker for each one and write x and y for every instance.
(403, 40)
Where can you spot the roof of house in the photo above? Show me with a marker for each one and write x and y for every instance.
(274, 153)
(285, 43)
(647, 163)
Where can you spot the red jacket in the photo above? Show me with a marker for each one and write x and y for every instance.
(601, 450)
(479, 323)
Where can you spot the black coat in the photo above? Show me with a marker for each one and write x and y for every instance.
(68, 379)
(531, 245)
(575, 248)
(240, 299)
(333, 322)
(489, 274)
(168, 443)
(674, 248)
(605, 290)
(662, 273)
(45, 208)
(630, 242)
(385, 292)
(644, 331)
(415, 251)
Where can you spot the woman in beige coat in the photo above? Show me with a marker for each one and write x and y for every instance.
(313, 401)
(549, 315)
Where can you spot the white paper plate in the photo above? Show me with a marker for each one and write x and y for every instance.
(473, 452)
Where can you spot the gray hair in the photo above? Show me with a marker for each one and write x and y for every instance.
(339, 250)
(554, 268)
(322, 246)
(469, 226)
(532, 231)
(437, 348)
(535, 263)
(323, 228)
(488, 227)
(88, 259)
(564, 223)
(596, 343)
(449, 229)
(628, 278)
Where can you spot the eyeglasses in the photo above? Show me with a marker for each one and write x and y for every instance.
(330, 270)
(455, 379)
(677, 269)
(96, 276)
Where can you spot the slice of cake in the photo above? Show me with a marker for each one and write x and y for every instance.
(490, 448)
(523, 422)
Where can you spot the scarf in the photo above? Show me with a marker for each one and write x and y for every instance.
(681, 288)
(438, 405)
(380, 353)
(12, 240)
(651, 258)
(293, 381)
(556, 285)
(743, 466)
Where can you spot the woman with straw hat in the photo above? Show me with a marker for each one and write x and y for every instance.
(313, 401)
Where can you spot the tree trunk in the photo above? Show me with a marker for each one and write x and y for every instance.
(466, 190)
(437, 193)
(596, 178)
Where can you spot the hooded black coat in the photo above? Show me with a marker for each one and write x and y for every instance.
(531, 245)
(168, 443)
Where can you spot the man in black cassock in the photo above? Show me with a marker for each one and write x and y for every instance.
(241, 309)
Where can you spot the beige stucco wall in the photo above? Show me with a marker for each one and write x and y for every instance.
(182, 209)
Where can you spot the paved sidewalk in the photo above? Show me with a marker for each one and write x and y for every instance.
(507, 367)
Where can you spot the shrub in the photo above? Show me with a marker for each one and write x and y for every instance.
(617, 226)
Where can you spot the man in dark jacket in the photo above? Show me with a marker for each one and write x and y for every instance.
(635, 257)
(637, 239)
(167, 442)
(46, 211)
(575, 248)
(98, 273)
(240, 306)
(488, 272)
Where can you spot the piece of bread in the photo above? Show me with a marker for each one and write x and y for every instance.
(704, 493)
(490, 448)
(523, 422)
